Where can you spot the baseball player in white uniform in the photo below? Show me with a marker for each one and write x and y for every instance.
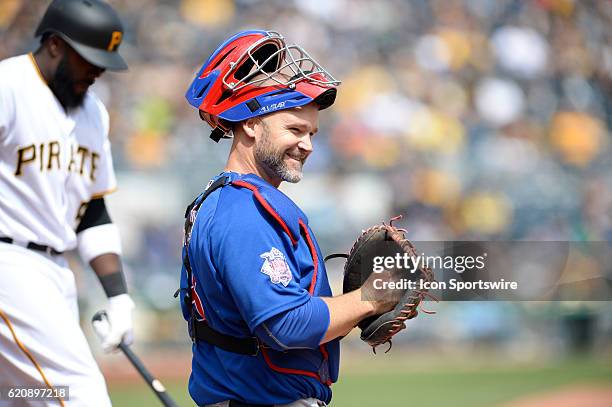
(55, 168)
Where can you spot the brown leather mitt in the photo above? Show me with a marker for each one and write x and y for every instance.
(384, 241)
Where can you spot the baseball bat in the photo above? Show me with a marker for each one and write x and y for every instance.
(158, 388)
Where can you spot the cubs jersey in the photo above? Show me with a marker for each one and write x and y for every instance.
(52, 162)
(253, 257)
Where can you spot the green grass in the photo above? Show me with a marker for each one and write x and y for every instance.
(367, 384)
(141, 395)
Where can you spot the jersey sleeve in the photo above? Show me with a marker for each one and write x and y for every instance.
(104, 181)
(298, 328)
(255, 259)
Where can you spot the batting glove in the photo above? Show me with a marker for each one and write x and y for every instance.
(120, 320)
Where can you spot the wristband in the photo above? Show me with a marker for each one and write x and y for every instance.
(114, 284)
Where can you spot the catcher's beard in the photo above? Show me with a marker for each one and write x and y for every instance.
(272, 159)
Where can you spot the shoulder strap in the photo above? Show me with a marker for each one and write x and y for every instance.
(190, 215)
(193, 207)
(200, 330)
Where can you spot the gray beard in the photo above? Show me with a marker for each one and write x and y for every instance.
(272, 160)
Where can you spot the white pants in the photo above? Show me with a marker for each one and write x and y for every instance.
(311, 402)
(39, 316)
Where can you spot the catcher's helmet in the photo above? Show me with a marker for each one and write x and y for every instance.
(254, 73)
(91, 27)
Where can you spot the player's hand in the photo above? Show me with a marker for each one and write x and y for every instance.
(383, 299)
(119, 314)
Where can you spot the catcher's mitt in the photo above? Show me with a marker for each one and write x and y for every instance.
(381, 240)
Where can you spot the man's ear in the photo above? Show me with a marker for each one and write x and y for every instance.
(251, 127)
(56, 46)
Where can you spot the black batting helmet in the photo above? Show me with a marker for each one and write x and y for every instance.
(91, 27)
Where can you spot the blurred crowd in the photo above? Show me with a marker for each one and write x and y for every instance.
(474, 119)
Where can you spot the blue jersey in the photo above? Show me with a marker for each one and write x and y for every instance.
(253, 258)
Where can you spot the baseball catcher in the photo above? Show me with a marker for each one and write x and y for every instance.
(255, 294)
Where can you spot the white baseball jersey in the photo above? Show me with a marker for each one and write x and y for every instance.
(52, 162)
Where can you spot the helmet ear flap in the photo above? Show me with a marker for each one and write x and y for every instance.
(220, 127)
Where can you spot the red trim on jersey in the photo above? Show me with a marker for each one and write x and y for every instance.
(315, 257)
(285, 370)
(197, 302)
(267, 207)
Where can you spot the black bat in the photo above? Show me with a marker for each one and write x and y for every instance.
(157, 387)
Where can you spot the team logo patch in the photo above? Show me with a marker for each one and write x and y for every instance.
(276, 267)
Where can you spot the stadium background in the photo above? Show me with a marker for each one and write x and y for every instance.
(475, 119)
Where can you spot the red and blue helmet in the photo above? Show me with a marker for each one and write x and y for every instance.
(255, 73)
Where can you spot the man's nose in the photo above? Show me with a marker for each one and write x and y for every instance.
(306, 144)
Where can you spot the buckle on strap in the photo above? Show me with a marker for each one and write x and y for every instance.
(201, 331)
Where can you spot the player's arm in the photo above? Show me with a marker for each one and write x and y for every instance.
(345, 312)
(100, 247)
(318, 321)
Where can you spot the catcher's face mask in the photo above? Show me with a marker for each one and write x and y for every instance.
(254, 73)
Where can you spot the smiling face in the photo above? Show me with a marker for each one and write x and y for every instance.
(284, 142)
(73, 76)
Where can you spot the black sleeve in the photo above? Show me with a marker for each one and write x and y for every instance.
(95, 215)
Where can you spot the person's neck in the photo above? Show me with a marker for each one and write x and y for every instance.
(43, 63)
(242, 163)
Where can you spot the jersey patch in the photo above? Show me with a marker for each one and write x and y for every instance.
(275, 265)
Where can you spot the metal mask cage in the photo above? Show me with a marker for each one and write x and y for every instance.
(291, 64)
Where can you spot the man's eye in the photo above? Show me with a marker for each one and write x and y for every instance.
(295, 130)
